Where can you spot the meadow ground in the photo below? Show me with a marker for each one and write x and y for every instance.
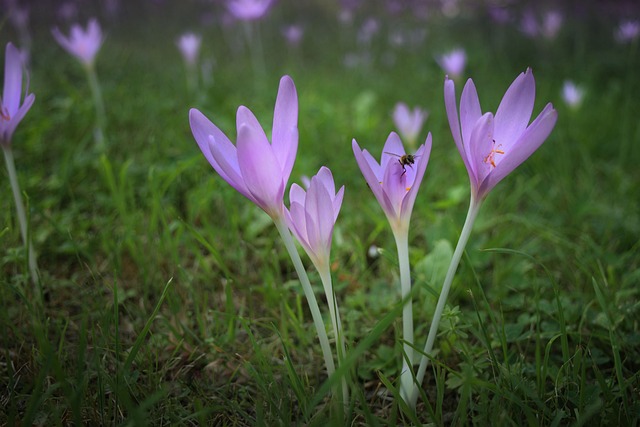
(167, 298)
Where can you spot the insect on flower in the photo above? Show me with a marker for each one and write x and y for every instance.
(404, 160)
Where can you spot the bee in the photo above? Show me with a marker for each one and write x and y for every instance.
(405, 160)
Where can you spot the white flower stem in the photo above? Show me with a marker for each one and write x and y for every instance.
(308, 292)
(96, 92)
(406, 377)
(325, 277)
(22, 217)
(474, 207)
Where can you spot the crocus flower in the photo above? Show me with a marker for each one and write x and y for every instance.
(493, 146)
(259, 170)
(572, 94)
(313, 213)
(189, 46)
(248, 10)
(551, 24)
(293, 34)
(453, 62)
(83, 44)
(628, 31)
(11, 110)
(396, 179)
(409, 122)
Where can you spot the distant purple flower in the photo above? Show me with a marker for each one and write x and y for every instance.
(248, 10)
(82, 44)
(312, 215)
(293, 34)
(453, 62)
(369, 28)
(529, 24)
(628, 31)
(551, 24)
(189, 45)
(394, 183)
(257, 169)
(572, 94)
(493, 146)
(11, 112)
(409, 122)
(499, 14)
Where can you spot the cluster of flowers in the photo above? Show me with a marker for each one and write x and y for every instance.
(491, 146)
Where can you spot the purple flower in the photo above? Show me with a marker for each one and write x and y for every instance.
(551, 24)
(293, 34)
(189, 45)
(628, 31)
(409, 122)
(572, 94)
(259, 170)
(11, 112)
(453, 62)
(248, 10)
(396, 179)
(493, 146)
(82, 44)
(312, 215)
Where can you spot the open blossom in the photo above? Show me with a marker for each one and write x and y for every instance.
(409, 122)
(11, 111)
(493, 146)
(189, 46)
(313, 214)
(258, 169)
(395, 181)
(83, 44)
(453, 62)
(248, 10)
(572, 94)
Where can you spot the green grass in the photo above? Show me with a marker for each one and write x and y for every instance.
(168, 298)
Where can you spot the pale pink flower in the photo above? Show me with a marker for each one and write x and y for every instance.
(189, 46)
(453, 62)
(83, 44)
(493, 146)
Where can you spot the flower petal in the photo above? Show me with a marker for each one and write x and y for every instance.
(514, 112)
(470, 113)
(202, 129)
(454, 124)
(297, 194)
(393, 150)
(369, 176)
(260, 168)
(520, 151)
(284, 137)
(482, 143)
(12, 80)
(424, 153)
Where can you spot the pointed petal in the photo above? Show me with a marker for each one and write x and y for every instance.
(326, 179)
(12, 80)
(375, 167)
(370, 177)
(394, 188)
(260, 169)
(482, 144)
(470, 113)
(530, 141)
(515, 109)
(284, 138)
(337, 203)
(297, 194)
(392, 151)
(18, 116)
(421, 166)
(454, 124)
(202, 129)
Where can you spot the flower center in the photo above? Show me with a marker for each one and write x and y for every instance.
(491, 157)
